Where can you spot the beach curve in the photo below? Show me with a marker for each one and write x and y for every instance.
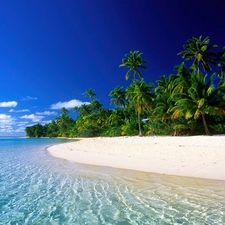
(194, 156)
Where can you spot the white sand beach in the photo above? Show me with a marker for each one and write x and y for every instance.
(196, 156)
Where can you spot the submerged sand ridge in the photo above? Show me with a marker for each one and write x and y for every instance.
(196, 156)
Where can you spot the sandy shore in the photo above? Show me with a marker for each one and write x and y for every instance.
(197, 156)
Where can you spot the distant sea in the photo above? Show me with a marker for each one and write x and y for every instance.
(36, 188)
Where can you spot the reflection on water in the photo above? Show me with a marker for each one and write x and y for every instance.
(36, 188)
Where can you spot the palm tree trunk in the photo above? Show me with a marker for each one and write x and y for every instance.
(205, 124)
(175, 130)
(139, 124)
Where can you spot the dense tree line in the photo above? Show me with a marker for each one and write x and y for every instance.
(191, 101)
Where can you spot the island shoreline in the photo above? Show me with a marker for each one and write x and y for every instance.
(193, 156)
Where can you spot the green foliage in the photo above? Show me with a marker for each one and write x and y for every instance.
(199, 51)
(36, 130)
(118, 96)
(129, 128)
(112, 131)
(140, 97)
(134, 62)
(188, 102)
(52, 129)
(199, 99)
(89, 93)
(221, 63)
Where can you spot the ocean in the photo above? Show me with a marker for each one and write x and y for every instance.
(36, 188)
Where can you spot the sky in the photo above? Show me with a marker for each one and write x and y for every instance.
(51, 51)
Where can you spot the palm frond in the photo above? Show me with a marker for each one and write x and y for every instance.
(128, 74)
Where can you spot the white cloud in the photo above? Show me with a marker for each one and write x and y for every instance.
(70, 104)
(19, 130)
(6, 123)
(46, 122)
(8, 104)
(27, 98)
(47, 113)
(20, 124)
(18, 111)
(4, 117)
(9, 126)
(30, 125)
(32, 117)
(4, 130)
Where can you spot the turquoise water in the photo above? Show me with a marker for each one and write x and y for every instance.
(36, 188)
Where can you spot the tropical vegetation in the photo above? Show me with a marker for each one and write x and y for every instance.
(189, 102)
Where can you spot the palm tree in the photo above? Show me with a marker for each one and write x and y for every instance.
(163, 85)
(53, 129)
(134, 62)
(221, 64)
(118, 96)
(182, 80)
(114, 118)
(163, 100)
(140, 97)
(198, 50)
(89, 93)
(83, 109)
(201, 98)
(95, 105)
(102, 117)
(64, 122)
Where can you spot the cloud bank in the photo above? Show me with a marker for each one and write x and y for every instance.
(68, 105)
(8, 104)
(32, 117)
(6, 122)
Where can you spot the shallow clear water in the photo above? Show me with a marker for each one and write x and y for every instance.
(36, 188)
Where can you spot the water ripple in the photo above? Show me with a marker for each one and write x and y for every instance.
(36, 188)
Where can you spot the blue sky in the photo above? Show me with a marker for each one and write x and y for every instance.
(52, 51)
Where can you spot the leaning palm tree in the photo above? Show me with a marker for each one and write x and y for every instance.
(140, 97)
(201, 99)
(134, 62)
(199, 51)
(89, 93)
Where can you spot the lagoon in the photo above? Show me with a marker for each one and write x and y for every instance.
(36, 188)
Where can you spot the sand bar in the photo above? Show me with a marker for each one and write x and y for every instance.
(196, 156)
